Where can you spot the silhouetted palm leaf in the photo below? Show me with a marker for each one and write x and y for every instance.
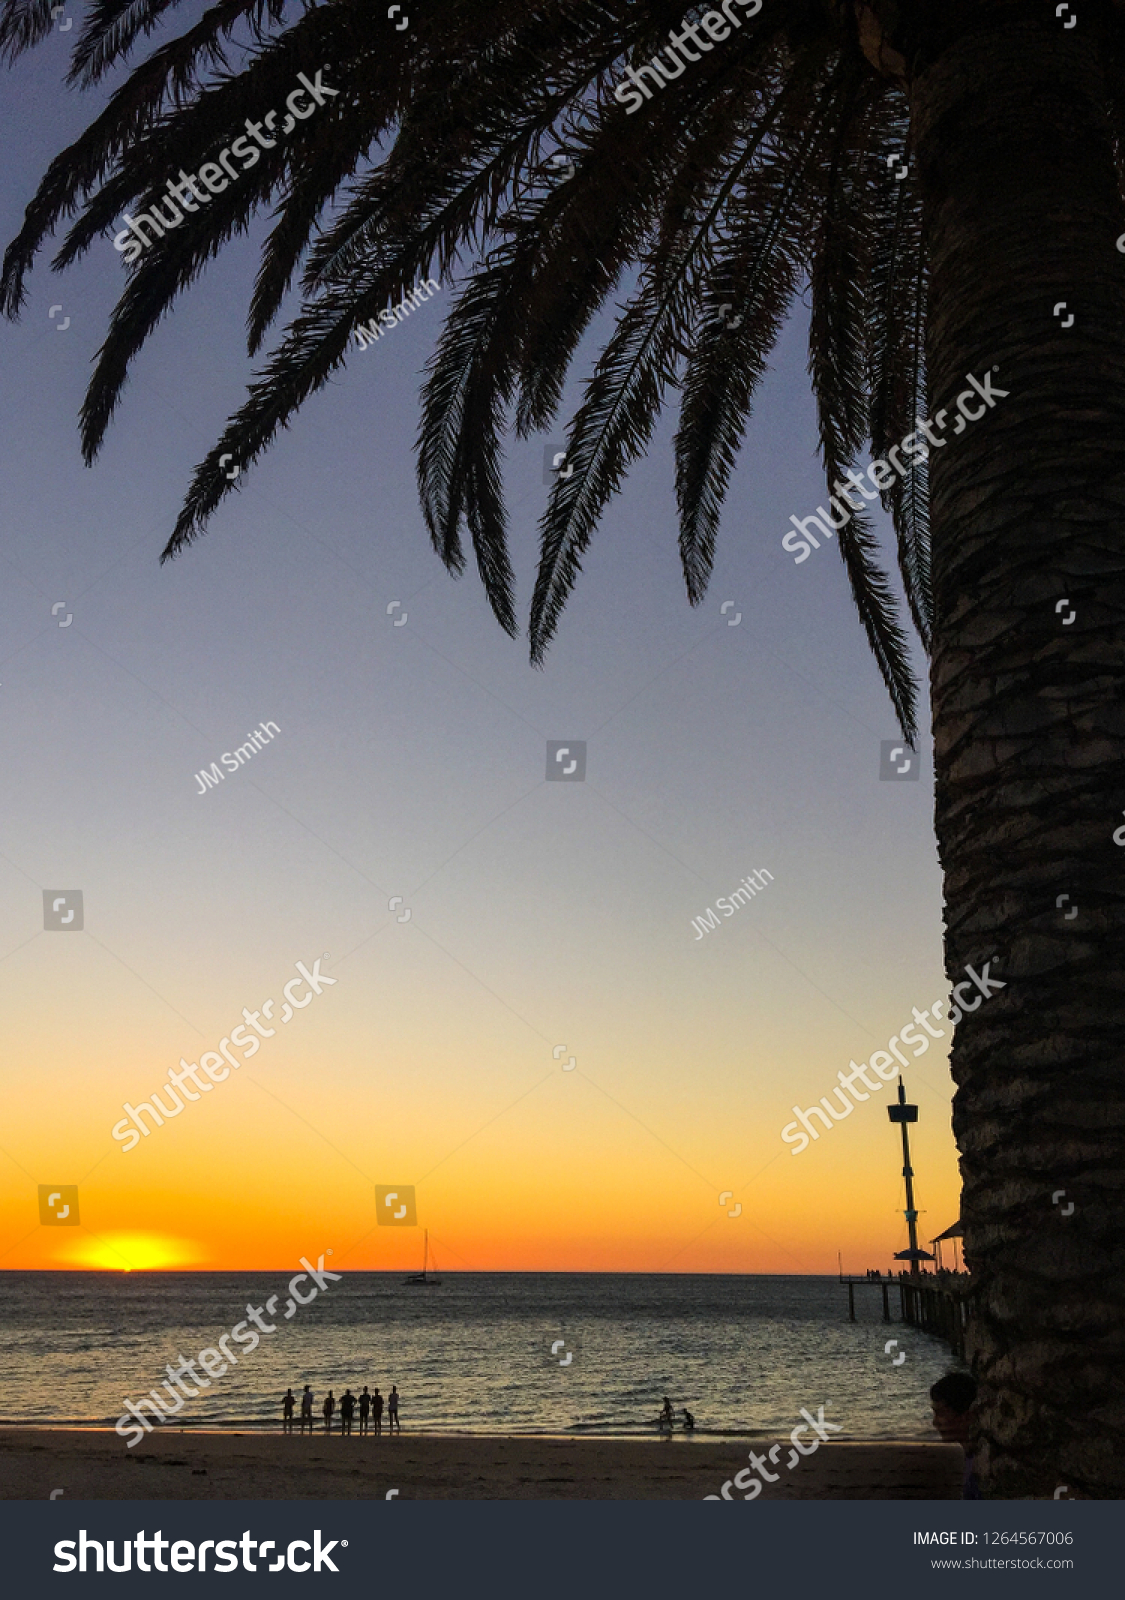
(762, 167)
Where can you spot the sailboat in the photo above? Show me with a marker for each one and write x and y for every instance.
(424, 1276)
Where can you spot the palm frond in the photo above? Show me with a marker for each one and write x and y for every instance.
(609, 431)
(111, 28)
(878, 611)
(764, 221)
(24, 24)
(507, 103)
(766, 161)
(314, 346)
(312, 183)
(896, 305)
(162, 274)
(839, 282)
(469, 384)
(143, 136)
(908, 498)
(629, 175)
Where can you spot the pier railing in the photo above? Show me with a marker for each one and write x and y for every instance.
(938, 1303)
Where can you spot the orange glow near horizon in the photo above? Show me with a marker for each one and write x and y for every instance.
(129, 1252)
(519, 1165)
(545, 1194)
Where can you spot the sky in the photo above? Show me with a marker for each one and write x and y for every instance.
(567, 1073)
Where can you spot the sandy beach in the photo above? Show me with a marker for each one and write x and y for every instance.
(92, 1464)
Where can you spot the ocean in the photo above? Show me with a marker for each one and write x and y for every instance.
(482, 1353)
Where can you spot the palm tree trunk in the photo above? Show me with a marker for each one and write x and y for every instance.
(1028, 510)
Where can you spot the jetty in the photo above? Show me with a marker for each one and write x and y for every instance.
(938, 1301)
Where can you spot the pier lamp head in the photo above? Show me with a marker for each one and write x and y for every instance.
(902, 1112)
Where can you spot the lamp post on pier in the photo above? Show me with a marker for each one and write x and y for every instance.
(903, 1114)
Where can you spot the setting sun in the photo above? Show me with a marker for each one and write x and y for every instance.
(132, 1252)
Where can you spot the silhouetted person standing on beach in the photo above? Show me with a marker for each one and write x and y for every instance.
(392, 1411)
(347, 1407)
(364, 1408)
(377, 1410)
(667, 1415)
(329, 1408)
(287, 1404)
(307, 1409)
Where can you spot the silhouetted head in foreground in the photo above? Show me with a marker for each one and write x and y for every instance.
(952, 1399)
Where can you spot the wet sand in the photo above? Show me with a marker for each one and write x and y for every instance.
(90, 1464)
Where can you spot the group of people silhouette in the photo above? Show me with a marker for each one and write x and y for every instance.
(667, 1418)
(369, 1406)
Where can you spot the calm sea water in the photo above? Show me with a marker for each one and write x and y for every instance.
(744, 1354)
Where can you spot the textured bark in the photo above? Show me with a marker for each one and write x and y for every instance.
(1028, 508)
